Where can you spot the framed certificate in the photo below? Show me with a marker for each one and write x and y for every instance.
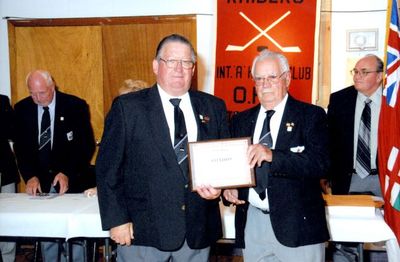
(220, 163)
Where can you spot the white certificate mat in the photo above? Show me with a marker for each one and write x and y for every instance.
(220, 163)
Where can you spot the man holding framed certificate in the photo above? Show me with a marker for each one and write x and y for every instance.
(283, 217)
(142, 167)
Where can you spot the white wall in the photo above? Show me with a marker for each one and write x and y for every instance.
(368, 14)
(354, 15)
(204, 9)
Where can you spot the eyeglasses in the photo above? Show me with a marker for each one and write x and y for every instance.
(362, 73)
(270, 79)
(172, 63)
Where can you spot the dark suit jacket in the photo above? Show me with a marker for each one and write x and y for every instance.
(73, 141)
(297, 210)
(341, 110)
(8, 167)
(140, 181)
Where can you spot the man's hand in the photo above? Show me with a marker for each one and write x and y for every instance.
(231, 195)
(257, 154)
(208, 192)
(62, 180)
(33, 186)
(122, 234)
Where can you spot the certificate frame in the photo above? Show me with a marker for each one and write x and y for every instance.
(220, 163)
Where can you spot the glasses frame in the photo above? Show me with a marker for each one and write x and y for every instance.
(173, 63)
(270, 79)
(362, 73)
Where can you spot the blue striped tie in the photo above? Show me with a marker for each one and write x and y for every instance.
(181, 137)
(263, 170)
(45, 139)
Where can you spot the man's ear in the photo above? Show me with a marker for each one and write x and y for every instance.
(155, 66)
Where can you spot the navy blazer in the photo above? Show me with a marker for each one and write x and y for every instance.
(73, 141)
(8, 167)
(341, 111)
(140, 181)
(297, 209)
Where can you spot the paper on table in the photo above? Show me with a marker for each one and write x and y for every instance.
(43, 196)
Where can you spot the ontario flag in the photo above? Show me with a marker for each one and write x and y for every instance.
(389, 124)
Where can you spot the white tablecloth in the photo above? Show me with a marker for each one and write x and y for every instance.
(346, 224)
(75, 215)
(67, 216)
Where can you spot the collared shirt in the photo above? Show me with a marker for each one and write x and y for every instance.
(186, 107)
(376, 100)
(52, 111)
(275, 122)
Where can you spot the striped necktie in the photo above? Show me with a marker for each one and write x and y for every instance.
(181, 137)
(263, 171)
(45, 139)
(363, 157)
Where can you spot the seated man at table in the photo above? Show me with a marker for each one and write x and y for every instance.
(54, 142)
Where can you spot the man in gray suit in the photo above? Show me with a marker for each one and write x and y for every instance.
(283, 217)
(144, 193)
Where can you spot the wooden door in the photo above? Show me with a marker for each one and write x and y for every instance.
(90, 58)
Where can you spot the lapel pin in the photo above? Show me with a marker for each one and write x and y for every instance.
(289, 126)
(61, 118)
(204, 119)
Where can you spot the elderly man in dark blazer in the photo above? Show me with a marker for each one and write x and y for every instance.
(8, 168)
(72, 137)
(71, 140)
(144, 193)
(283, 217)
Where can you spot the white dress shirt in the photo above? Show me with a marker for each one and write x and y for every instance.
(52, 112)
(275, 122)
(186, 107)
(376, 100)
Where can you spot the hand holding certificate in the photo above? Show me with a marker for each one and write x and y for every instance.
(220, 163)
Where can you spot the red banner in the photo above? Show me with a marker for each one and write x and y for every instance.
(245, 27)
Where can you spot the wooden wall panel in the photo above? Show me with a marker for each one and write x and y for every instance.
(90, 57)
(73, 55)
(324, 81)
(129, 49)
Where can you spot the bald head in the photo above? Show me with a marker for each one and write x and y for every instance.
(368, 74)
(41, 87)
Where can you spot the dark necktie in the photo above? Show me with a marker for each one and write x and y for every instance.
(181, 137)
(363, 158)
(263, 170)
(45, 139)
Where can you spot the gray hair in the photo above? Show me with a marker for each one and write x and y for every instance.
(175, 38)
(45, 74)
(379, 62)
(264, 54)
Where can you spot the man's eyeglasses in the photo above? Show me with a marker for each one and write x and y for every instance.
(363, 73)
(172, 63)
(270, 79)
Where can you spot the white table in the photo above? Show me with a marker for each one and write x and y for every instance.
(68, 216)
(346, 224)
(74, 215)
